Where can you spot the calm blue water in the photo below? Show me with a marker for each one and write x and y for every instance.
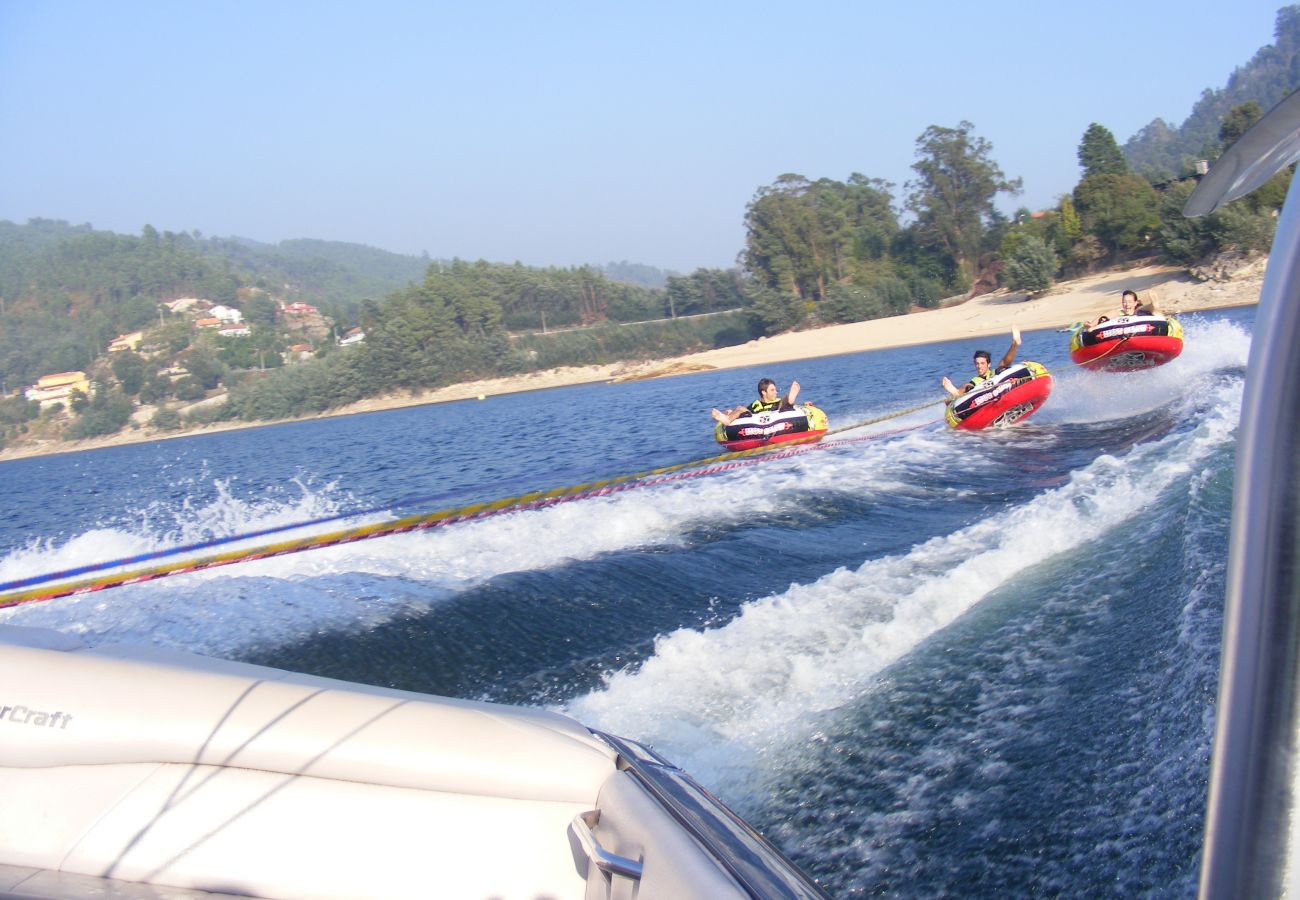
(928, 663)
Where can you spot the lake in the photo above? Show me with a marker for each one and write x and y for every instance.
(922, 662)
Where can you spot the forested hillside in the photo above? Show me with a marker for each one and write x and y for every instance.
(636, 273)
(138, 314)
(66, 292)
(333, 275)
(473, 320)
(1162, 152)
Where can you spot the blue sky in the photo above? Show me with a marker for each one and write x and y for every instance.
(560, 133)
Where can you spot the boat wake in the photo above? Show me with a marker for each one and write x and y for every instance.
(777, 660)
(732, 702)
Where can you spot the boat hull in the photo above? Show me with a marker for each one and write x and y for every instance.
(126, 766)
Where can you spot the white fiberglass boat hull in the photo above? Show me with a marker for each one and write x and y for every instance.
(134, 767)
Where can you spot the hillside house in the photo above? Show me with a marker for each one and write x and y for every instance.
(207, 322)
(126, 342)
(57, 388)
(354, 336)
(298, 308)
(228, 315)
(234, 331)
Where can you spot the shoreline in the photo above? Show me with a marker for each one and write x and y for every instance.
(989, 314)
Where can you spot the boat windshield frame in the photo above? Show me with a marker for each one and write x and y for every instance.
(1252, 840)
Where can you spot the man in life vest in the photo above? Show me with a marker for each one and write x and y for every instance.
(767, 401)
(982, 370)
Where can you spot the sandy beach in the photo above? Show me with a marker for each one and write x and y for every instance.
(1064, 304)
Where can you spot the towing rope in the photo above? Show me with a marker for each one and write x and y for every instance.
(535, 500)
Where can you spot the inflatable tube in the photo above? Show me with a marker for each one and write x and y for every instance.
(1007, 397)
(1127, 343)
(803, 423)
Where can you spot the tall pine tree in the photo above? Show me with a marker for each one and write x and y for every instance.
(1099, 153)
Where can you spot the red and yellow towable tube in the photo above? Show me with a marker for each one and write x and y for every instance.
(1127, 343)
(805, 423)
(1006, 398)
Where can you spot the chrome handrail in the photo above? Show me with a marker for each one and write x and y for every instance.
(612, 863)
(757, 866)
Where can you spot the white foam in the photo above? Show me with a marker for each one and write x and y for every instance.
(282, 599)
(1083, 396)
(722, 700)
(158, 527)
(289, 597)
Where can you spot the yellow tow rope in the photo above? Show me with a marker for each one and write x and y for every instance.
(534, 500)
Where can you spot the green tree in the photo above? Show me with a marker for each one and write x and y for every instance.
(129, 370)
(1238, 121)
(851, 303)
(166, 419)
(803, 237)
(155, 388)
(704, 291)
(1184, 241)
(261, 310)
(106, 413)
(926, 292)
(203, 367)
(1099, 153)
(784, 246)
(952, 196)
(175, 335)
(773, 310)
(18, 409)
(237, 353)
(1071, 226)
(1032, 267)
(189, 388)
(1122, 211)
(1086, 253)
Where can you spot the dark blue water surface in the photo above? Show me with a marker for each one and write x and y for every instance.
(924, 662)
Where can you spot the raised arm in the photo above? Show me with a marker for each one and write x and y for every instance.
(793, 393)
(1011, 352)
(951, 388)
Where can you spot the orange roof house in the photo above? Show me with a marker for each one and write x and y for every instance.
(125, 342)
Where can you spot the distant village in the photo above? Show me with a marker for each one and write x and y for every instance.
(297, 318)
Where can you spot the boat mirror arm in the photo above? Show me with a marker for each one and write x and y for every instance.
(609, 863)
